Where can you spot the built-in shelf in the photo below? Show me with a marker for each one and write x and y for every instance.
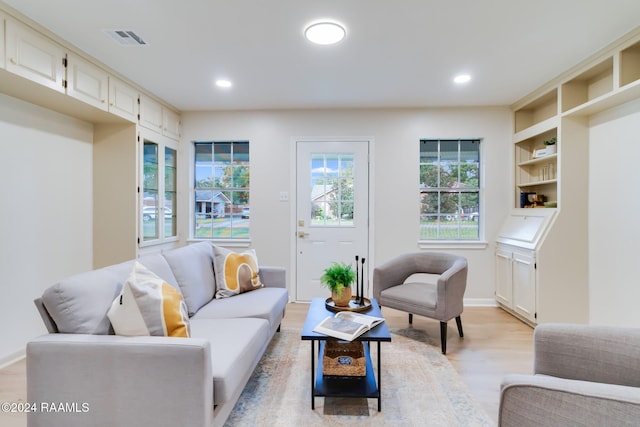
(537, 111)
(545, 159)
(630, 64)
(591, 84)
(536, 183)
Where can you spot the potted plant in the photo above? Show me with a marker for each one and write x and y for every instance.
(550, 146)
(338, 277)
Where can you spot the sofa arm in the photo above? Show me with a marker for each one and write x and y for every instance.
(539, 400)
(601, 354)
(273, 277)
(119, 381)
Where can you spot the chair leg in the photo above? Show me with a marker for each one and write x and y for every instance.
(459, 323)
(410, 318)
(443, 336)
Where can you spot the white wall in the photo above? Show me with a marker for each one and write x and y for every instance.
(614, 215)
(396, 134)
(45, 213)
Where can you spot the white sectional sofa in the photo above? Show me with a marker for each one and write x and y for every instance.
(101, 379)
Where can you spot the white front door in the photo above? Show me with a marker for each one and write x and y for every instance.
(332, 211)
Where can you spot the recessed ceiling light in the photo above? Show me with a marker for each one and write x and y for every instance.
(223, 83)
(462, 78)
(325, 32)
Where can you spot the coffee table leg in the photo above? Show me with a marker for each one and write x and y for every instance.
(379, 380)
(313, 374)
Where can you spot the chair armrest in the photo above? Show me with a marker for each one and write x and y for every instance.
(451, 287)
(539, 400)
(123, 381)
(602, 354)
(273, 277)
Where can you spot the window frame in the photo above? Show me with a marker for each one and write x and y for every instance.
(242, 241)
(163, 143)
(453, 243)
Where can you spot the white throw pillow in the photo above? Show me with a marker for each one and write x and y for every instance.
(148, 305)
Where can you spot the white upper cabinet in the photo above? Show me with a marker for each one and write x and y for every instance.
(33, 56)
(87, 82)
(150, 114)
(123, 99)
(155, 116)
(170, 124)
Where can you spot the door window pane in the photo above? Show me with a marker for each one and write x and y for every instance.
(150, 196)
(332, 193)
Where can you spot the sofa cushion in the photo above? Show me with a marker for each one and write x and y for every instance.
(411, 296)
(236, 348)
(235, 272)
(192, 267)
(79, 304)
(158, 265)
(148, 305)
(265, 303)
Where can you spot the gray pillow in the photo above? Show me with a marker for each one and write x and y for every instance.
(193, 269)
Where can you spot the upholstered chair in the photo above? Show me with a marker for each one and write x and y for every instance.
(429, 284)
(583, 375)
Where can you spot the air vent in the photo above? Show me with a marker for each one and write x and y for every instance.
(126, 37)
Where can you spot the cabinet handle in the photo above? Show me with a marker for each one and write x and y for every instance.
(13, 61)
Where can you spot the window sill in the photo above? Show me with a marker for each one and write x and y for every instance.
(229, 243)
(452, 244)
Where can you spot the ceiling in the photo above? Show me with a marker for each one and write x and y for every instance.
(401, 53)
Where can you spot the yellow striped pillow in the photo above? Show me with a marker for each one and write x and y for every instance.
(148, 305)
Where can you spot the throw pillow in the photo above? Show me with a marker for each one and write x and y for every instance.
(148, 305)
(235, 272)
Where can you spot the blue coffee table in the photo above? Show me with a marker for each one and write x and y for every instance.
(330, 386)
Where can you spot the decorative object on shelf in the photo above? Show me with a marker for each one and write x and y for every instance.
(360, 282)
(338, 277)
(550, 146)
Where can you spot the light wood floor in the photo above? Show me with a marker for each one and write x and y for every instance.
(494, 344)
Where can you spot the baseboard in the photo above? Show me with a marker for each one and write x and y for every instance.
(12, 358)
(480, 302)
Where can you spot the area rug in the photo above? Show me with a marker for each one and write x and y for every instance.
(419, 388)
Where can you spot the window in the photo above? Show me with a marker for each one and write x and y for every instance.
(332, 189)
(159, 166)
(449, 189)
(221, 190)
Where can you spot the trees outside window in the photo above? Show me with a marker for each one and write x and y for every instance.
(450, 189)
(221, 190)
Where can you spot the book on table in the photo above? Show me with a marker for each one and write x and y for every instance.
(346, 325)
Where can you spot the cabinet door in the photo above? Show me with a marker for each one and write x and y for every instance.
(503, 277)
(34, 56)
(87, 82)
(150, 114)
(123, 99)
(524, 285)
(170, 124)
(2, 52)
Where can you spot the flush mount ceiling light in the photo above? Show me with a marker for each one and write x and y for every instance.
(325, 32)
(462, 78)
(223, 83)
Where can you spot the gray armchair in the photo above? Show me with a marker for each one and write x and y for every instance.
(438, 297)
(582, 376)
